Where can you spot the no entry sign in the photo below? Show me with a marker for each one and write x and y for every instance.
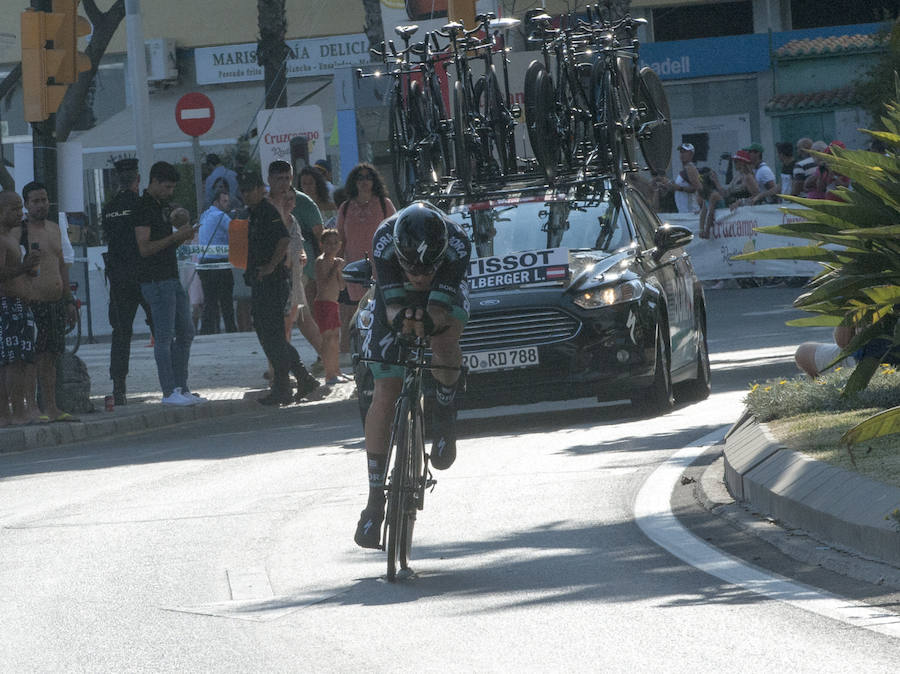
(194, 114)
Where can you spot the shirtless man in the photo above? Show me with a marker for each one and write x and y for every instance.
(16, 320)
(51, 303)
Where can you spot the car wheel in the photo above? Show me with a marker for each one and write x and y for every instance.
(699, 388)
(657, 398)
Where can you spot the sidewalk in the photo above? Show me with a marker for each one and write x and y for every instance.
(227, 369)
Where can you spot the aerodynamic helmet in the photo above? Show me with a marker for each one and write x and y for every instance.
(420, 238)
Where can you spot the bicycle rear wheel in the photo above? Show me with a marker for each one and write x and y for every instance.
(400, 506)
(654, 129)
(544, 128)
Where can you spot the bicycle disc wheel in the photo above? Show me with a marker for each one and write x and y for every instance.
(397, 494)
(462, 159)
(402, 165)
(544, 129)
(654, 130)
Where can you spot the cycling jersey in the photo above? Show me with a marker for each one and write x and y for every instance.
(391, 278)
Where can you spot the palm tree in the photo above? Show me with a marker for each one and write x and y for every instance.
(272, 51)
(373, 26)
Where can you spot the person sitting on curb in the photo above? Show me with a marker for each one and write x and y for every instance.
(815, 358)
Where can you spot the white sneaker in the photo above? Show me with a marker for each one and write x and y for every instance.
(196, 396)
(176, 397)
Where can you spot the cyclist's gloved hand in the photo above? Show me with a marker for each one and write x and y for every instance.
(414, 321)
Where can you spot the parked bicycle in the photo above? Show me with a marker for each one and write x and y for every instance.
(594, 127)
(483, 119)
(418, 129)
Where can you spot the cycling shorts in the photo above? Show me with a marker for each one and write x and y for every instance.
(381, 342)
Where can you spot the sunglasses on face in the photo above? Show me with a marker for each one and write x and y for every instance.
(419, 269)
(365, 176)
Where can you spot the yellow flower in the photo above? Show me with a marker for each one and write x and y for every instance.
(767, 388)
(754, 387)
(782, 382)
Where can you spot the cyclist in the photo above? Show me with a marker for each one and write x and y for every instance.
(421, 260)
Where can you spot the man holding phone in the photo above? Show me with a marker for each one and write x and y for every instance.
(159, 232)
(52, 303)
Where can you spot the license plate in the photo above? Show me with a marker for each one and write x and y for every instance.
(501, 359)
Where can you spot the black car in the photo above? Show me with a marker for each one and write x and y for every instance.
(575, 292)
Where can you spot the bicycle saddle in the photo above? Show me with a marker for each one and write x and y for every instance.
(418, 49)
(488, 16)
(505, 23)
(406, 32)
(452, 28)
(543, 17)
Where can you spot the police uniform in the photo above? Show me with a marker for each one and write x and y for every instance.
(122, 260)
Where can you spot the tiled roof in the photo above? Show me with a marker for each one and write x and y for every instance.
(831, 45)
(833, 98)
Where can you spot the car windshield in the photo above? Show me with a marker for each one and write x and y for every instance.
(501, 228)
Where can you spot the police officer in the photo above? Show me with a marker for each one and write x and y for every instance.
(121, 260)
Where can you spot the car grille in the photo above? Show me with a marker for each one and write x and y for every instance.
(518, 328)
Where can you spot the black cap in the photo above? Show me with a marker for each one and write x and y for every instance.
(127, 164)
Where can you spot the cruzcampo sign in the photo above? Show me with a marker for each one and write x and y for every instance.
(306, 58)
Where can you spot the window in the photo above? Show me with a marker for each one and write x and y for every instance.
(707, 20)
(813, 14)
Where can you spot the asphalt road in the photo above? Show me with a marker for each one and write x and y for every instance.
(227, 546)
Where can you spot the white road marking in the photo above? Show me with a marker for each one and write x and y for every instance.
(653, 514)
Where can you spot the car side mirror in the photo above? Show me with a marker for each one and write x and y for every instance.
(669, 236)
(359, 271)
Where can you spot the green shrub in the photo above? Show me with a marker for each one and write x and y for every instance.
(782, 398)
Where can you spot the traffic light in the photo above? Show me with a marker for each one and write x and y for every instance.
(50, 57)
(73, 27)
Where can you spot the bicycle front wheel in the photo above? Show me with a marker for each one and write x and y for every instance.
(401, 507)
(402, 164)
(462, 158)
(607, 122)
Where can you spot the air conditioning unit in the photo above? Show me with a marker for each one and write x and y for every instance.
(160, 55)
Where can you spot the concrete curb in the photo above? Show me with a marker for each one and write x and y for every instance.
(97, 426)
(837, 506)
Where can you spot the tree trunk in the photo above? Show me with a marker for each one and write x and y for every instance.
(272, 51)
(373, 27)
(104, 26)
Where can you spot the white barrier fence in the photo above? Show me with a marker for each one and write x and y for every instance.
(733, 234)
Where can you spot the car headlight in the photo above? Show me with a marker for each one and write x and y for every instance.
(605, 296)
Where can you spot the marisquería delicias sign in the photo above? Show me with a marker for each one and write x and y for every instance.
(314, 56)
